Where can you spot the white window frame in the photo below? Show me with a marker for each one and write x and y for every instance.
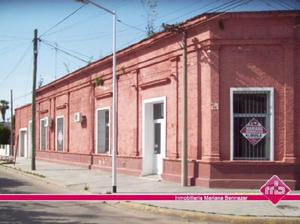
(29, 136)
(46, 137)
(56, 149)
(25, 143)
(270, 90)
(96, 131)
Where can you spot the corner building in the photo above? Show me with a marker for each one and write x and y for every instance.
(243, 70)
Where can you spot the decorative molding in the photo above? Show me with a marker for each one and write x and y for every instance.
(43, 111)
(155, 83)
(63, 106)
(103, 95)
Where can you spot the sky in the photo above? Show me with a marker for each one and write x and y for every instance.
(87, 34)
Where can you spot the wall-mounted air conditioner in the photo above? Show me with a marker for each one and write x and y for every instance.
(48, 122)
(77, 117)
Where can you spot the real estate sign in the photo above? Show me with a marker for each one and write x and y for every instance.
(254, 131)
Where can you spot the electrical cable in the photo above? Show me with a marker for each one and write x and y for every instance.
(65, 52)
(61, 21)
(63, 48)
(17, 64)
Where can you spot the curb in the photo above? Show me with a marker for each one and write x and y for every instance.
(32, 175)
(211, 217)
(39, 177)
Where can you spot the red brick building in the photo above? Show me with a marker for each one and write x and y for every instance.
(242, 69)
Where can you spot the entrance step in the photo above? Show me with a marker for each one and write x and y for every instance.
(154, 177)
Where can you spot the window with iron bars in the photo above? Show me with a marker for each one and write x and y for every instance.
(251, 125)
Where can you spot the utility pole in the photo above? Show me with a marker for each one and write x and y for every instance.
(114, 87)
(184, 164)
(35, 54)
(11, 124)
(184, 171)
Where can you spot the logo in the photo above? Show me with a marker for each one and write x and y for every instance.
(253, 131)
(274, 189)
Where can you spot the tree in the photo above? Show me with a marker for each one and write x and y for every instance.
(4, 135)
(3, 107)
(150, 7)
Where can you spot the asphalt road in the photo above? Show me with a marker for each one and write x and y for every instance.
(26, 212)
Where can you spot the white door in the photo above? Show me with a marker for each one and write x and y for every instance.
(158, 144)
(23, 143)
(154, 135)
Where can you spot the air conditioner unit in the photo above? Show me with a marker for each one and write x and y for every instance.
(48, 122)
(77, 117)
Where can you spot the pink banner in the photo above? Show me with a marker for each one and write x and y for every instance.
(140, 197)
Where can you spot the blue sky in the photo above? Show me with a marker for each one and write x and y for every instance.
(87, 34)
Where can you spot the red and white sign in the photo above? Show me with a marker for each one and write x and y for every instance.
(253, 131)
(275, 189)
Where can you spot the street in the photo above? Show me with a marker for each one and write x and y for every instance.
(65, 212)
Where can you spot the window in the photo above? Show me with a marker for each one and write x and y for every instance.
(29, 138)
(158, 111)
(43, 135)
(60, 134)
(102, 129)
(252, 124)
(158, 115)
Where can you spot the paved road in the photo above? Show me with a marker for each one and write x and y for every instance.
(65, 212)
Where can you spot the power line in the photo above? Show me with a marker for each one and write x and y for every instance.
(63, 48)
(222, 6)
(283, 4)
(65, 52)
(17, 64)
(22, 96)
(61, 21)
(131, 26)
(82, 21)
(238, 3)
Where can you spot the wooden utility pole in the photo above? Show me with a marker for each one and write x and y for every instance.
(11, 153)
(184, 151)
(35, 54)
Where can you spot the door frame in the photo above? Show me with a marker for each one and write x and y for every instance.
(29, 138)
(25, 143)
(145, 159)
(96, 131)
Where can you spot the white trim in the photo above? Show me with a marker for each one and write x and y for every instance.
(29, 137)
(162, 99)
(96, 131)
(57, 133)
(25, 143)
(46, 138)
(271, 111)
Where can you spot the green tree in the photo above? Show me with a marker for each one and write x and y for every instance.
(3, 107)
(4, 135)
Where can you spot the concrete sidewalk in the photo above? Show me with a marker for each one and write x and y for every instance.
(79, 179)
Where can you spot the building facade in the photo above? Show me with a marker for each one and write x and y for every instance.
(242, 74)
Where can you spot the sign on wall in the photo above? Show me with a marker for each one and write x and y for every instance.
(254, 131)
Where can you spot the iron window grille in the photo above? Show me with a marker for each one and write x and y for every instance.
(246, 105)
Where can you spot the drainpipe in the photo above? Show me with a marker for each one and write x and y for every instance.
(184, 170)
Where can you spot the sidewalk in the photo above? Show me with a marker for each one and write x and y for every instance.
(79, 179)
